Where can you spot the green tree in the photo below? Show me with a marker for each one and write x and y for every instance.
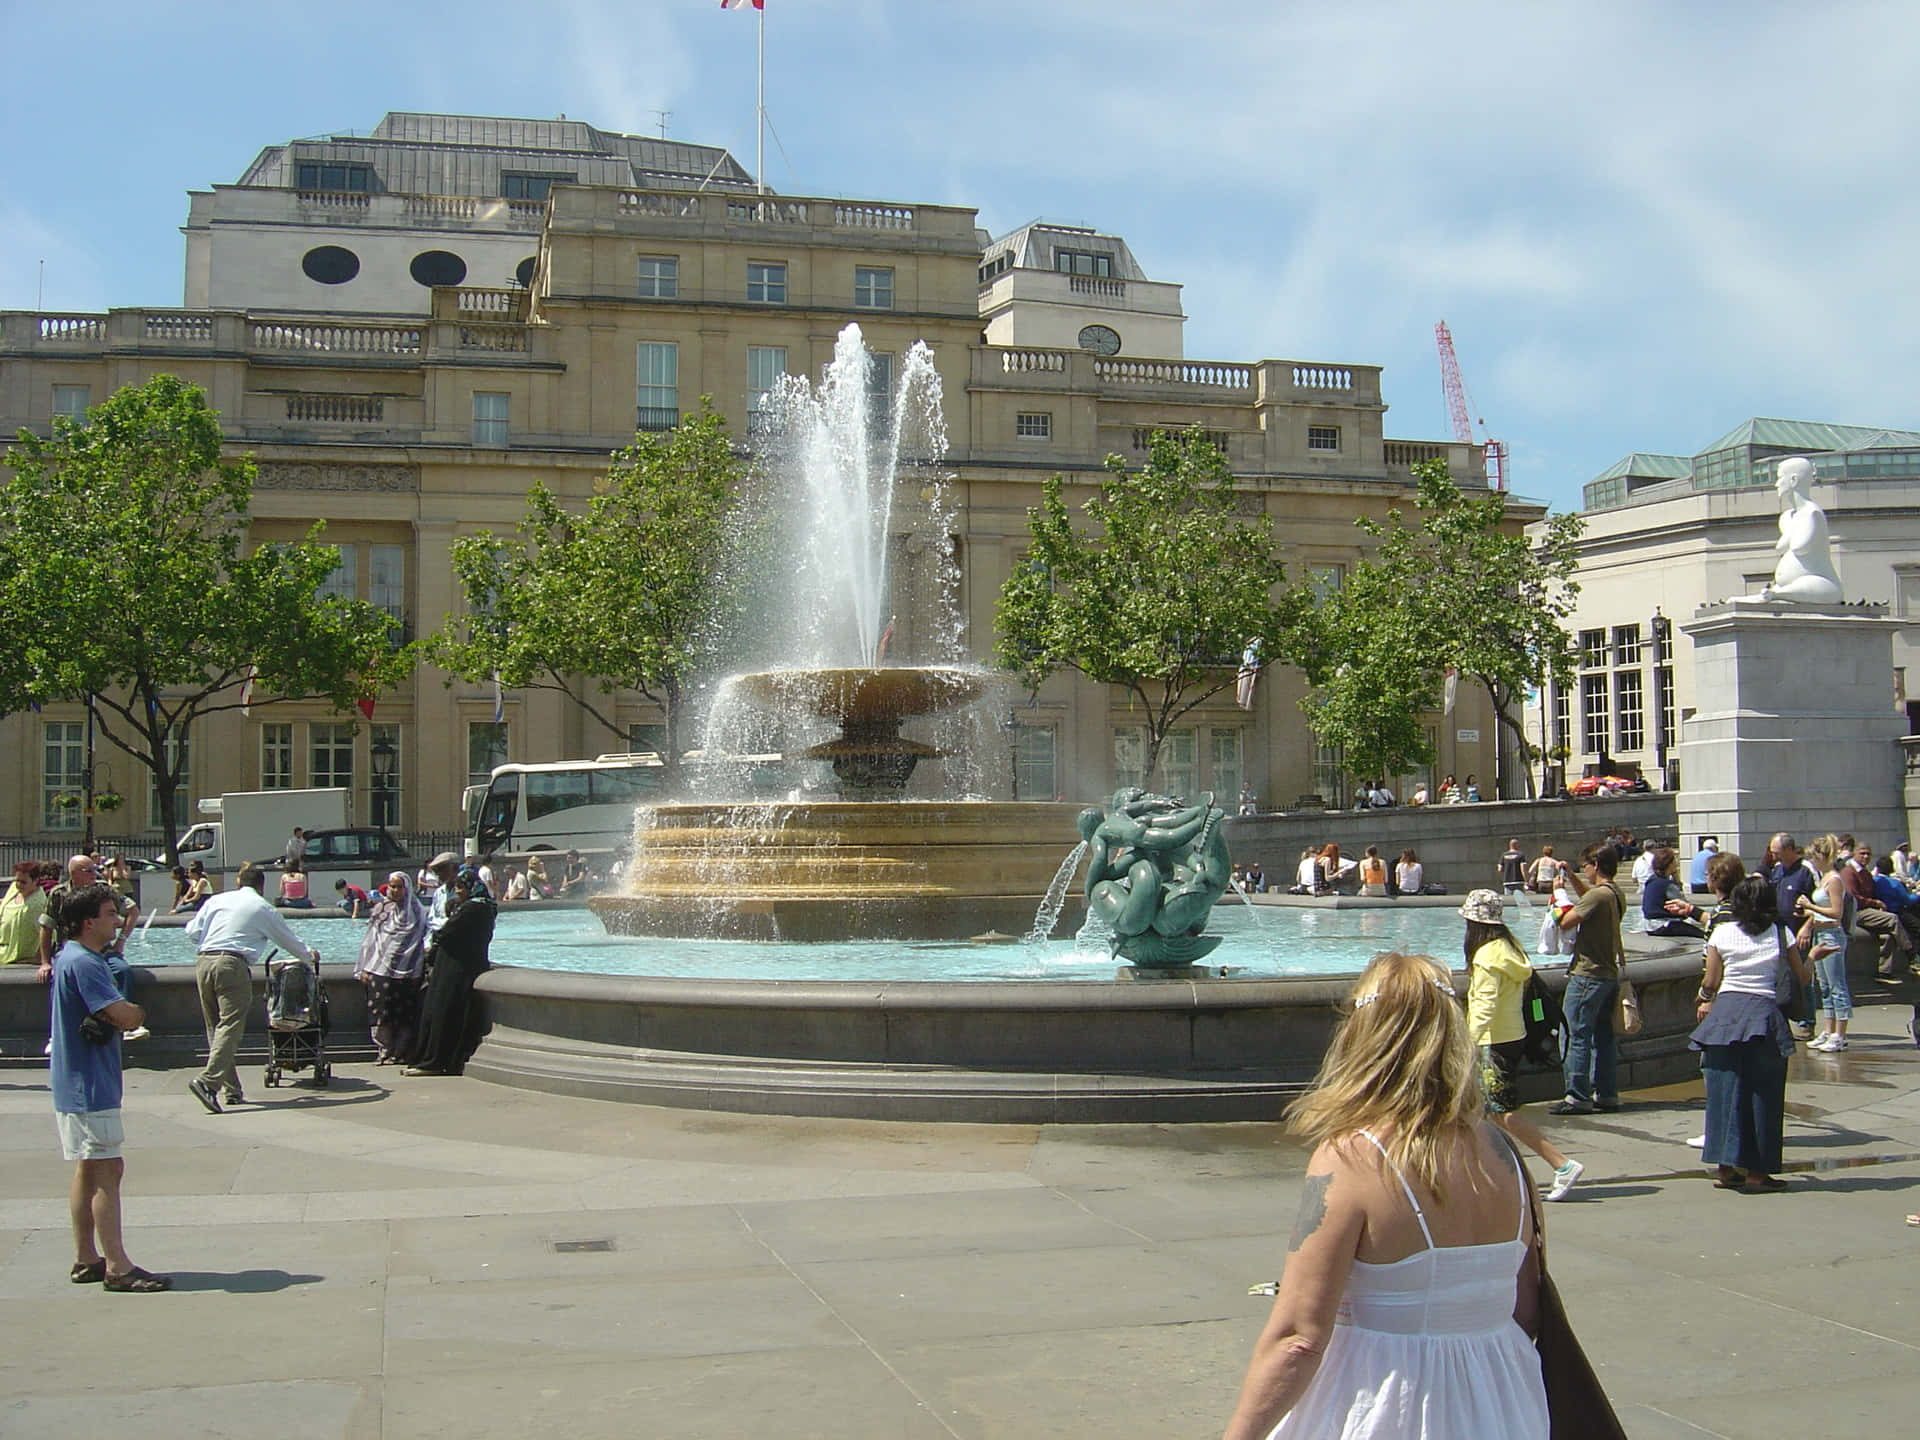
(127, 585)
(623, 596)
(1159, 591)
(1458, 588)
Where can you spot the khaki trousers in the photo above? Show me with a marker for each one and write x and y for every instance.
(226, 990)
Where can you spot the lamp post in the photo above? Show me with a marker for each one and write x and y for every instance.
(1661, 629)
(383, 754)
(1011, 727)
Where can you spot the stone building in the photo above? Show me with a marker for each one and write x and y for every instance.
(1668, 533)
(607, 282)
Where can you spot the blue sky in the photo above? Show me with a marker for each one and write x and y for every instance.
(1643, 222)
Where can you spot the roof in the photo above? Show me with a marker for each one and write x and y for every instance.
(1653, 467)
(1794, 435)
(1033, 245)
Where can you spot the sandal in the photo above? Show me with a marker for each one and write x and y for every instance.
(1729, 1179)
(138, 1282)
(1765, 1185)
(90, 1272)
(1913, 1220)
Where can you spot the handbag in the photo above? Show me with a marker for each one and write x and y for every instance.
(1789, 992)
(1577, 1405)
(1626, 1008)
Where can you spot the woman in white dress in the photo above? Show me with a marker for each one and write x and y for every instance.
(1410, 1286)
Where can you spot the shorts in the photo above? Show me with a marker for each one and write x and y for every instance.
(91, 1134)
(1499, 1068)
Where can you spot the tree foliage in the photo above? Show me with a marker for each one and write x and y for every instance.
(1456, 588)
(620, 597)
(127, 584)
(1157, 586)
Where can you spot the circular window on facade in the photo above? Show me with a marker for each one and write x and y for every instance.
(437, 267)
(330, 264)
(1100, 340)
(523, 272)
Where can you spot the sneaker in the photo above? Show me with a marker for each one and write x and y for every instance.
(1565, 1178)
(139, 1032)
(1826, 1044)
(1570, 1107)
(1835, 1044)
(1913, 1029)
(203, 1092)
(1698, 1142)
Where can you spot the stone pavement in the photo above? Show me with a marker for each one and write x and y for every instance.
(395, 1257)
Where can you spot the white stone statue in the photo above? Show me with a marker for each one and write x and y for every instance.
(1804, 575)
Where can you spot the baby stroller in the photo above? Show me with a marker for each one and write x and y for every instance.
(296, 1019)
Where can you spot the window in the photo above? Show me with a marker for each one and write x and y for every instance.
(872, 288)
(767, 282)
(646, 738)
(63, 775)
(1129, 755)
(383, 754)
(330, 264)
(1630, 705)
(1325, 581)
(999, 265)
(1228, 774)
(659, 277)
(1033, 762)
(1083, 262)
(1669, 733)
(182, 804)
(520, 185)
(1626, 644)
(330, 756)
(1033, 425)
(1593, 648)
(322, 175)
(659, 387)
(71, 402)
(765, 365)
(437, 267)
(1330, 775)
(489, 417)
(1177, 754)
(1323, 438)
(1562, 719)
(387, 579)
(1593, 714)
(486, 748)
(344, 582)
(276, 757)
(879, 393)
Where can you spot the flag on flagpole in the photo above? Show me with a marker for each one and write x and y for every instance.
(1249, 675)
(1453, 687)
(365, 706)
(499, 700)
(743, 4)
(246, 690)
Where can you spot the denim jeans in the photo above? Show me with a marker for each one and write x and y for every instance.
(1836, 997)
(1590, 1049)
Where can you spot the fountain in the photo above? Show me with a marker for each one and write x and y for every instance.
(870, 860)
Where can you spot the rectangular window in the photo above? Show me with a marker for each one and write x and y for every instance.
(1562, 719)
(276, 757)
(765, 365)
(387, 579)
(1324, 438)
(659, 277)
(1325, 581)
(646, 738)
(1034, 748)
(486, 748)
(1663, 690)
(344, 582)
(1626, 644)
(1330, 775)
(767, 282)
(1177, 753)
(1083, 262)
(1593, 648)
(63, 774)
(659, 386)
(70, 402)
(182, 796)
(1631, 710)
(1033, 425)
(1129, 755)
(521, 185)
(383, 760)
(1593, 714)
(489, 417)
(879, 392)
(1228, 773)
(330, 756)
(872, 288)
(322, 175)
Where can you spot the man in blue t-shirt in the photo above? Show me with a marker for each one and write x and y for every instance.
(1697, 868)
(88, 1018)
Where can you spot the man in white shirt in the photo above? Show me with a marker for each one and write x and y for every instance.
(296, 849)
(231, 932)
(1643, 867)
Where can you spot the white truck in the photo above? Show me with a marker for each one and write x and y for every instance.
(255, 825)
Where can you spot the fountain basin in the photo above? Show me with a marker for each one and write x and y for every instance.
(843, 870)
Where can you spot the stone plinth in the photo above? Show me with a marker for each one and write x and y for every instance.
(1795, 728)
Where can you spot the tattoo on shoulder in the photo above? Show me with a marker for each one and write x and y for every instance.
(1313, 1210)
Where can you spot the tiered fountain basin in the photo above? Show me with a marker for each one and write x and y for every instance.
(844, 870)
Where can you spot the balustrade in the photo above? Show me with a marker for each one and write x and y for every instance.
(1027, 362)
(666, 206)
(768, 212)
(495, 338)
(1322, 377)
(345, 200)
(357, 409)
(73, 329)
(1413, 452)
(320, 338)
(872, 217)
(177, 327)
(1174, 372)
(1093, 285)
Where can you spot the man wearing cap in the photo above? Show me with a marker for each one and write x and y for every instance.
(1697, 867)
(231, 933)
(444, 866)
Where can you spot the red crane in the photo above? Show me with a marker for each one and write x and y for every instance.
(1463, 418)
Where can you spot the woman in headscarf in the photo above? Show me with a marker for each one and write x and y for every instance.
(392, 967)
(450, 1017)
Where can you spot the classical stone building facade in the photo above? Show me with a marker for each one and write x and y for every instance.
(406, 413)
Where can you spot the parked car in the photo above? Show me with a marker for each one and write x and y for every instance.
(356, 847)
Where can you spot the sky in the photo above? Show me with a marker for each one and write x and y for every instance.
(1643, 222)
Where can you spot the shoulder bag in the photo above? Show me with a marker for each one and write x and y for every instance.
(1577, 1406)
(1788, 991)
(1626, 1004)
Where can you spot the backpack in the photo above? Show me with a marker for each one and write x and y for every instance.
(1540, 1010)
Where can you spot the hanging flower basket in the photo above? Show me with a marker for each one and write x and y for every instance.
(108, 801)
(66, 802)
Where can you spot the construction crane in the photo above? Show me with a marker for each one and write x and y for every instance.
(1463, 417)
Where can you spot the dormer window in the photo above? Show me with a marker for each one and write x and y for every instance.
(521, 185)
(324, 175)
(1083, 262)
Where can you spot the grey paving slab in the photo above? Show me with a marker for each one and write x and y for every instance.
(300, 1410)
(1872, 1405)
(681, 1242)
(878, 1227)
(1173, 1209)
(814, 1394)
(245, 1259)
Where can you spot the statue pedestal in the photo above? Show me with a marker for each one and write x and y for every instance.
(1794, 726)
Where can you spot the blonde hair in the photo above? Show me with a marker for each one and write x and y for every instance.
(1826, 849)
(1401, 1064)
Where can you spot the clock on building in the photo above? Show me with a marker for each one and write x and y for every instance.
(1100, 340)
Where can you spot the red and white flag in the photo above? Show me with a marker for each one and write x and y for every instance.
(246, 690)
(742, 4)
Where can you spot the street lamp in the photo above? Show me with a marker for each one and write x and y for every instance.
(383, 753)
(1011, 727)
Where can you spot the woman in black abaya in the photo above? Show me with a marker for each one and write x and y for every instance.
(450, 1014)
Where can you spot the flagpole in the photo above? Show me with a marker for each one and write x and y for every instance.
(760, 111)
